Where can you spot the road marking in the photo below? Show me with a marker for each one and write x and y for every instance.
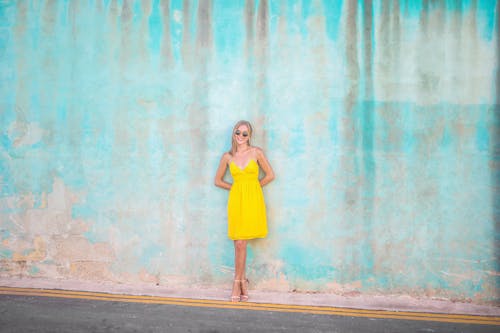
(322, 310)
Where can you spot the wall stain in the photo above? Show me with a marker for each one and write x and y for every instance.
(49, 16)
(144, 33)
(22, 96)
(126, 34)
(351, 180)
(249, 29)
(262, 63)
(166, 41)
(367, 134)
(186, 47)
(379, 118)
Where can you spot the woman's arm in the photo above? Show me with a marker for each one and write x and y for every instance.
(221, 170)
(266, 167)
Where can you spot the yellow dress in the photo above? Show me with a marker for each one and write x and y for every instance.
(246, 210)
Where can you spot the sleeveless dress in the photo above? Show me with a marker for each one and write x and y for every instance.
(246, 210)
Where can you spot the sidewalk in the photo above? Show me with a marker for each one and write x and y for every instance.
(367, 302)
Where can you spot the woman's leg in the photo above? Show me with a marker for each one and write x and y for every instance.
(240, 257)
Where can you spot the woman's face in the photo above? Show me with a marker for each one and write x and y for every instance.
(241, 134)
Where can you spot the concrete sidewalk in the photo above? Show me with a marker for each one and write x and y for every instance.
(368, 302)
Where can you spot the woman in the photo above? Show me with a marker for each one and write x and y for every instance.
(246, 209)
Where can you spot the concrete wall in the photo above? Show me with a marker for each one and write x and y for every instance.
(381, 122)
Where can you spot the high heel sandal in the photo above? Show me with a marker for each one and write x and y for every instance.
(236, 298)
(244, 290)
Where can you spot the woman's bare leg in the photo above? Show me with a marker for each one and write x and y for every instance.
(240, 257)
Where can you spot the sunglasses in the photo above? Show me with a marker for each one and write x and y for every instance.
(237, 132)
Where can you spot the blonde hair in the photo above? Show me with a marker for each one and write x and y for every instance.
(234, 145)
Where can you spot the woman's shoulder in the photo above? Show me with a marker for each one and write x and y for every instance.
(226, 157)
(257, 151)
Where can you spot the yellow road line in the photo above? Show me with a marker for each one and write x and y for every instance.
(267, 305)
(158, 298)
(323, 310)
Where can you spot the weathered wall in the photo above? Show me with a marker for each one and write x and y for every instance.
(381, 122)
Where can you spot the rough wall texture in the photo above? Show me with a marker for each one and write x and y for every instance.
(380, 119)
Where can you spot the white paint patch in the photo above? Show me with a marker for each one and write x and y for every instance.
(25, 134)
(177, 16)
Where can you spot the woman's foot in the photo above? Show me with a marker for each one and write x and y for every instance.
(235, 294)
(244, 290)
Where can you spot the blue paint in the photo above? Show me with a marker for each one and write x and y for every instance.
(6, 141)
(64, 13)
(176, 28)
(34, 270)
(482, 134)
(409, 140)
(306, 262)
(149, 251)
(362, 169)
(82, 211)
(276, 13)
(333, 130)
(5, 254)
(457, 5)
(9, 188)
(367, 126)
(486, 13)
(4, 234)
(137, 12)
(7, 12)
(94, 237)
(155, 28)
(297, 142)
(410, 8)
(333, 11)
(447, 139)
(305, 11)
(292, 28)
(228, 31)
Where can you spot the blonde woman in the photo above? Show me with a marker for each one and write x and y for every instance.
(246, 209)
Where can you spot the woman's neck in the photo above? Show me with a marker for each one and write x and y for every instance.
(242, 148)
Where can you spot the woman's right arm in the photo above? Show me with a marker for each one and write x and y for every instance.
(221, 170)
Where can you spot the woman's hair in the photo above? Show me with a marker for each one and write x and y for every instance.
(233, 141)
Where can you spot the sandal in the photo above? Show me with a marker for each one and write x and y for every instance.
(236, 298)
(244, 290)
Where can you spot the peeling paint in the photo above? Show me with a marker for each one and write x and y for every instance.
(380, 120)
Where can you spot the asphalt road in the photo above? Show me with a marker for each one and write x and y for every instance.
(20, 313)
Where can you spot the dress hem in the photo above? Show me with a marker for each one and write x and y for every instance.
(247, 238)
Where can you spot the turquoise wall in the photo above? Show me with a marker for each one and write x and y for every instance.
(381, 122)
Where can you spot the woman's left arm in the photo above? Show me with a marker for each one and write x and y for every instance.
(266, 167)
